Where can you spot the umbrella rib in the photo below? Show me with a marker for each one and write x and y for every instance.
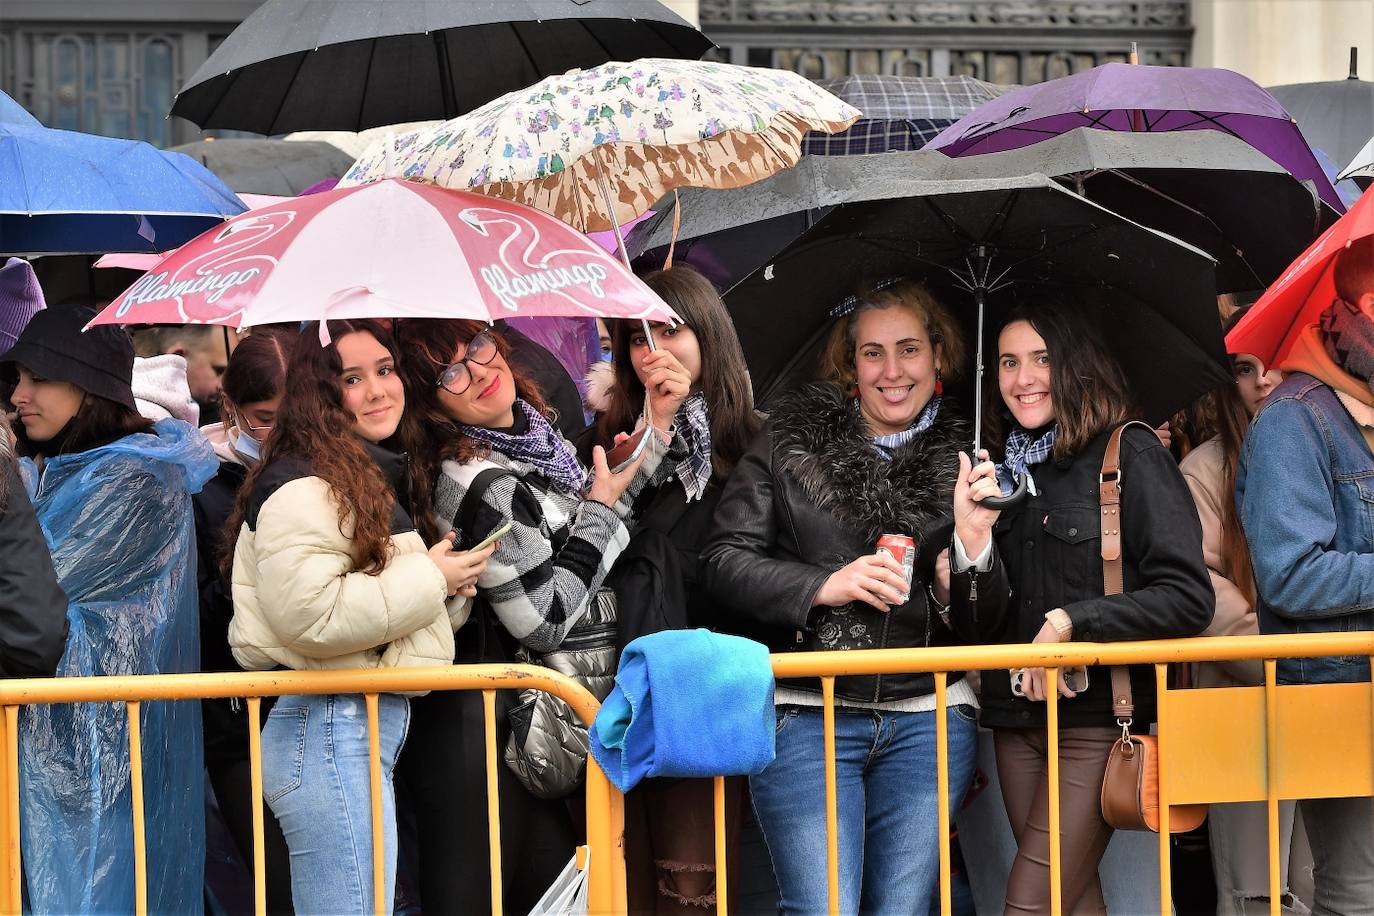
(525, 49)
(1209, 119)
(594, 37)
(286, 94)
(367, 76)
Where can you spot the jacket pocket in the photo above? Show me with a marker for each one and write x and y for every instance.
(283, 751)
(1071, 553)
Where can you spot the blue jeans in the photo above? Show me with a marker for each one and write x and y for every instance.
(889, 824)
(316, 779)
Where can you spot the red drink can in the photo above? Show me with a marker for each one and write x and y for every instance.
(902, 549)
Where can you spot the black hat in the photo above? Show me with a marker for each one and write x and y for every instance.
(99, 361)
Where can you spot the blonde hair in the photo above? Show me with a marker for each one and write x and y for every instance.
(837, 360)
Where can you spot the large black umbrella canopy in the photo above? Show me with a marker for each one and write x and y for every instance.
(1335, 116)
(1214, 191)
(1001, 241)
(350, 65)
(269, 166)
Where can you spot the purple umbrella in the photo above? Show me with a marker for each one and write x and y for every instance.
(1125, 97)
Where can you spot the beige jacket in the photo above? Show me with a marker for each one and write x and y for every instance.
(298, 602)
(1204, 469)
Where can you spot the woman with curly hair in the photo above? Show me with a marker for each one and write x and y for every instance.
(329, 572)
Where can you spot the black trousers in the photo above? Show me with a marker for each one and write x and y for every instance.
(232, 782)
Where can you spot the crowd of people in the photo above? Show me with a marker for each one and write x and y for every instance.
(405, 494)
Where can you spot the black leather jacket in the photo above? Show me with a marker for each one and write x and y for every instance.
(809, 497)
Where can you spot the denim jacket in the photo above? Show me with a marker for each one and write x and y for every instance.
(1305, 490)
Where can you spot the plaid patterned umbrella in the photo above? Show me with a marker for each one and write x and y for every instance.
(900, 112)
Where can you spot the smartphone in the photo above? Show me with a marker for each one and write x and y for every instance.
(1076, 679)
(619, 456)
(491, 538)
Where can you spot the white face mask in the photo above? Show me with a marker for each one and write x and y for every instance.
(246, 447)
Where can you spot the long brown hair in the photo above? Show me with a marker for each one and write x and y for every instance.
(724, 380)
(429, 433)
(257, 367)
(837, 360)
(312, 425)
(1232, 423)
(1087, 386)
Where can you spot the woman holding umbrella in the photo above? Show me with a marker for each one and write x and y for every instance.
(871, 450)
(490, 457)
(1033, 573)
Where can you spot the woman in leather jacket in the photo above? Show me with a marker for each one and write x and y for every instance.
(1033, 573)
(870, 450)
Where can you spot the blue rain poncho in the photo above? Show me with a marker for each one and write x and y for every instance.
(118, 521)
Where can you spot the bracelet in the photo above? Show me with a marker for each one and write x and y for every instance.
(1059, 619)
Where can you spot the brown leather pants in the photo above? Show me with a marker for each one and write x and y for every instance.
(1023, 770)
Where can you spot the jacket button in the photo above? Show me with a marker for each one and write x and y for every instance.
(1030, 545)
(1073, 531)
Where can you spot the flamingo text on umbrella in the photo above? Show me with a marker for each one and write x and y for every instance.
(513, 280)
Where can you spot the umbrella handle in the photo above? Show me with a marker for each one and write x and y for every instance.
(1014, 498)
(620, 246)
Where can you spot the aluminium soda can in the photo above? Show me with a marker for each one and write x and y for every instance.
(902, 549)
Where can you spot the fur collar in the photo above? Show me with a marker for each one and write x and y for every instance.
(820, 441)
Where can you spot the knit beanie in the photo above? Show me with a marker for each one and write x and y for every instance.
(20, 299)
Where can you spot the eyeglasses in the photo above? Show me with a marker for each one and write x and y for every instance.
(241, 422)
(456, 378)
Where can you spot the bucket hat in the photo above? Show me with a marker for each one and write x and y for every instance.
(20, 299)
(99, 361)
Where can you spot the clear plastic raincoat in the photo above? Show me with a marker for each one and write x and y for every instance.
(118, 521)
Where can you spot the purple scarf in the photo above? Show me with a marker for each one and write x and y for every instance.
(540, 446)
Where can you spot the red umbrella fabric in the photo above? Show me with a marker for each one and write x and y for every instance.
(1297, 299)
(393, 249)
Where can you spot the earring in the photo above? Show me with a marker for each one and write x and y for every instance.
(939, 384)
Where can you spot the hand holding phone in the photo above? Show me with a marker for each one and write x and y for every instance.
(628, 449)
(491, 538)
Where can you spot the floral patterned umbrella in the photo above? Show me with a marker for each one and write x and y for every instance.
(645, 127)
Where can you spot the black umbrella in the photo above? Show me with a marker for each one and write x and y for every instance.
(349, 65)
(269, 166)
(1335, 116)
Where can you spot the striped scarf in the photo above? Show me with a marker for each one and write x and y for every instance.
(540, 445)
(887, 446)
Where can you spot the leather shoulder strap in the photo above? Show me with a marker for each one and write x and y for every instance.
(1113, 579)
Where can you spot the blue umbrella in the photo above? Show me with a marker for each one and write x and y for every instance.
(63, 192)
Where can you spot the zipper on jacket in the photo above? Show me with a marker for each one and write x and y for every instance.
(972, 585)
(882, 644)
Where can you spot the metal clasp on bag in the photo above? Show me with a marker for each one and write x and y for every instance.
(1127, 746)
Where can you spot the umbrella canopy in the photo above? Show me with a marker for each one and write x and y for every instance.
(1298, 298)
(63, 192)
(268, 166)
(996, 241)
(900, 112)
(1336, 116)
(15, 115)
(648, 126)
(1126, 97)
(1360, 169)
(388, 250)
(345, 65)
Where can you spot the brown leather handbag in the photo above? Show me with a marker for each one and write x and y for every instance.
(1130, 785)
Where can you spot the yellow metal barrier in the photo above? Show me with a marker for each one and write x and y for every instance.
(1234, 744)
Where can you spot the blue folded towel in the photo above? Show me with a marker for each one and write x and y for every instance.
(687, 703)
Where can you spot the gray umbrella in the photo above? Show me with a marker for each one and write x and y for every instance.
(1336, 116)
(1211, 190)
(269, 166)
(348, 65)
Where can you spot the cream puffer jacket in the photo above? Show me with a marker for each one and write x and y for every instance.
(299, 602)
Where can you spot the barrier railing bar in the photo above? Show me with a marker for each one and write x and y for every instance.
(136, 786)
(1166, 897)
(254, 706)
(493, 800)
(832, 817)
(722, 877)
(1271, 779)
(942, 786)
(374, 767)
(15, 873)
(1052, 753)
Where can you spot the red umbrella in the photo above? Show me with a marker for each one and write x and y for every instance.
(1296, 300)
(393, 249)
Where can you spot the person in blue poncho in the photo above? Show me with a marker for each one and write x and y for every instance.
(113, 496)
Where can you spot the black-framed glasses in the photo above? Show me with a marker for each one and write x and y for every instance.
(456, 378)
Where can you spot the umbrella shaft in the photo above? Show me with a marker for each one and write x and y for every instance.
(620, 244)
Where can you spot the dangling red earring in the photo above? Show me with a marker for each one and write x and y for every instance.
(856, 391)
(939, 385)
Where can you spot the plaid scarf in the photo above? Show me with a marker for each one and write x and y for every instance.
(693, 424)
(1349, 340)
(888, 445)
(540, 445)
(1021, 453)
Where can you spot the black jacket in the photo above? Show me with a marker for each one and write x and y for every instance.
(811, 496)
(33, 607)
(1047, 554)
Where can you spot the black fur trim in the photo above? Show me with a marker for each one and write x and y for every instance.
(820, 441)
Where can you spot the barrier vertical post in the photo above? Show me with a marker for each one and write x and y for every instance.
(493, 801)
(136, 787)
(722, 905)
(255, 793)
(1166, 880)
(605, 835)
(832, 818)
(374, 766)
(13, 878)
(1052, 758)
(942, 785)
(1271, 779)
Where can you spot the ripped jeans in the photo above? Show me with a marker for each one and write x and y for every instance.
(1239, 836)
(316, 778)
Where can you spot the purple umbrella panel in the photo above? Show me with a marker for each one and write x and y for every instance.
(1136, 98)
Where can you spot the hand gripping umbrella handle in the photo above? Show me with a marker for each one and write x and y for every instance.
(1014, 498)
